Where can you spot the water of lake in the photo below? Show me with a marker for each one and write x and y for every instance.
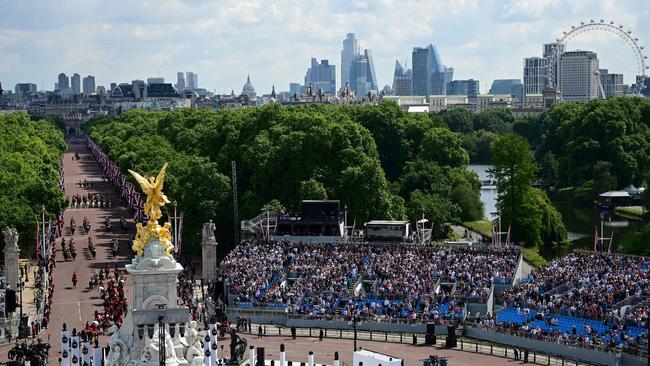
(489, 193)
(581, 222)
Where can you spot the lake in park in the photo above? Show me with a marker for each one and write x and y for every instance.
(580, 221)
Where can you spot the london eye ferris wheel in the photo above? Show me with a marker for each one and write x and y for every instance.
(617, 49)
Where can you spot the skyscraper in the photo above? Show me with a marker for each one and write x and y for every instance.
(156, 80)
(438, 74)
(348, 54)
(23, 90)
(508, 86)
(180, 81)
(89, 85)
(295, 88)
(430, 76)
(612, 84)
(402, 80)
(362, 75)
(535, 75)
(469, 87)
(579, 78)
(191, 80)
(550, 51)
(321, 76)
(64, 82)
(421, 61)
(75, 84)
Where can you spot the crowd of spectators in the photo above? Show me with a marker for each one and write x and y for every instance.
(185, 289)
(402, 281)
(582, 284)
(250, 268)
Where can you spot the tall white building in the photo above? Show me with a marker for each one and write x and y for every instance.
(348, 54)
(180, 81)
(89, 85)
(535, 74)
(579, 76)
(75, 84)
(191, 80)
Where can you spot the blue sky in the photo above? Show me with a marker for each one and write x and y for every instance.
(222, 41)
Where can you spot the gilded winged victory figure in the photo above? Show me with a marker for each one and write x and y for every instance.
(155, 200)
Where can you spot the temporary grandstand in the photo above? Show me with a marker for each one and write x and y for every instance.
(583, 299)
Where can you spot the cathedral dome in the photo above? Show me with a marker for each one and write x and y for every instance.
(249, 89)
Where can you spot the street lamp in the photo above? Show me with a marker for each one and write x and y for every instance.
(355, 321)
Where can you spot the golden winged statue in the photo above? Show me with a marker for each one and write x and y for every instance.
(155, 200)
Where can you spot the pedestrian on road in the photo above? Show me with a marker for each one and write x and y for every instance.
(74, 279)
(320, 335)
(259, 331)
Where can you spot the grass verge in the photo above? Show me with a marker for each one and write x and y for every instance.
(532, 256)
(630, 212)
(483, 227)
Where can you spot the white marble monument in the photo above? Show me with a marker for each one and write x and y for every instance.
(12, 254)
(209, 251)
(154, 326)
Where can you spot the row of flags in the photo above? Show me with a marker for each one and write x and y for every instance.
(598, 239)
(52, 231)
(127, 190)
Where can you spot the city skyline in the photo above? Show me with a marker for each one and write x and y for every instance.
(275, 42)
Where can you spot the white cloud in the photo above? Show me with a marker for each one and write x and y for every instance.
(224, 40)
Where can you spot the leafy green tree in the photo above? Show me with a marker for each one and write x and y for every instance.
(458, 119)
(533, 219)
(312, 190)
(552, 229)
(548, 170)
(531, 128)
(398, 134)
(602, 178)
(498, 121)
(637, 243)
(581, 134)
(514, 169)
(438, 210)
(467, 198)
(30, 156)
(478, 145)
(444, 147)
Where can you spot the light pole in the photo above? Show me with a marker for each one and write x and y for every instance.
(355, 321)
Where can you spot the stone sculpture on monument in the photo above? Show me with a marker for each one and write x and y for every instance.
(12, 253)
(155, 328)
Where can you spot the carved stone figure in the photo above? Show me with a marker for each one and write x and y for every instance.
(208, 232)
(11, 237)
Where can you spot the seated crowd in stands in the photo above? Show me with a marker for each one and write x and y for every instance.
(580, 284)
(582, 298)
(320, 279)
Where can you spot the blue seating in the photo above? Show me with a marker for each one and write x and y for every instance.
(565, 324)
(510, 315)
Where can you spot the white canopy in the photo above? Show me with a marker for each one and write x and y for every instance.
(614, 194)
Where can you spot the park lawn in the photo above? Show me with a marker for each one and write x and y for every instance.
(631, 212)
(483, 227)
(532, 256)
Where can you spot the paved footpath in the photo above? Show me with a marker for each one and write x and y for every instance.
(76, 306)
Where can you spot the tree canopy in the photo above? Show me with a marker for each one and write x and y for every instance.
(372, 158)
(534, 221)
(30, 157)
